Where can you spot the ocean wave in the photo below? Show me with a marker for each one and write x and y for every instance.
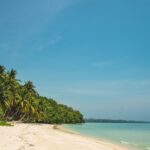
(125, 142)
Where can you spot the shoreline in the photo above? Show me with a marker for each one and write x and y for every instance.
(44, 137)
(109, 143)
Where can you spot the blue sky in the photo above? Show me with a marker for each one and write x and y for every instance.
(93, 55)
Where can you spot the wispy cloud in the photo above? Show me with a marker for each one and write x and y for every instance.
(57, 6)
(108, 88)
(49, 42)
(104, 98)
(24, 31)
(104, 63)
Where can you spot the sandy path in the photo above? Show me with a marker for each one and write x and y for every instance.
(44, 137)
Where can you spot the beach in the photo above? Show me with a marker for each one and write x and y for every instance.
(45, 137)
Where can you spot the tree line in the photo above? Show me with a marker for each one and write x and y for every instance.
(91, 120)
(21, 102)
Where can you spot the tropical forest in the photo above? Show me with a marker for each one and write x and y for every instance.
(21, 102)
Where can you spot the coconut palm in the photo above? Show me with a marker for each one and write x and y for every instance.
(2, 69)
(12, 73)
(22, 102)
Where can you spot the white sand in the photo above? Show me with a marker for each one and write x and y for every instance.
(45, 137)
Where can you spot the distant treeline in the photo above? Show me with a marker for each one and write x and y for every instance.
(112, 121)
(21, 102)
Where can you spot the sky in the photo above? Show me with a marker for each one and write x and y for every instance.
(93, 55)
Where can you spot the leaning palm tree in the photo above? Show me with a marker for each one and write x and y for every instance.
(2, 88)
(9, 93)
(2, 98)
(2, 79)
(27, 102)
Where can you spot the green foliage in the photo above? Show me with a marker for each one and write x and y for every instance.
(1, 114)
(3, 123)
(22, 102)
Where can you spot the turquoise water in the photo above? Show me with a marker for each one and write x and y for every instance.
(134, 135)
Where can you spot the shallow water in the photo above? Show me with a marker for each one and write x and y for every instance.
(133, 135)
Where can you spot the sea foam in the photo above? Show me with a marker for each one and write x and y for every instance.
(125, 142)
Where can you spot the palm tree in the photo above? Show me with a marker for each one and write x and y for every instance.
(2, 97)
(22, 102)
(12, 73)
(9, 92)
(2, 88)
(27, 103)
(2, 69)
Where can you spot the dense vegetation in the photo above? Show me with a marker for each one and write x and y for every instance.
(23, 103)
(91, 120)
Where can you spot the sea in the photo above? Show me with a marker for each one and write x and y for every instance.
(131, 135)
